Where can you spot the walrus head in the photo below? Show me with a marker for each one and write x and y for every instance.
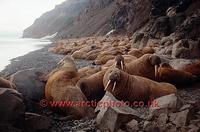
(67, 61)
(119, 62)
(163, 65)
(114, 77)
(155, 61)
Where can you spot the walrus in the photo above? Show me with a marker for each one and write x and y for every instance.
(79, 55)
(61, 86)
(6, 84)
(193, 69)
(176, 77)
(145, 66)
(124, 59)
(88, 71)
(103, 60)
(92, 86)
(140, 52)
(92, 55)
(134, 88)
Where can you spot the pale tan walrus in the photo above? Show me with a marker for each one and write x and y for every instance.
(61, 86)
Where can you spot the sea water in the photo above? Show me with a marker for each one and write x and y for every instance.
(12, 46)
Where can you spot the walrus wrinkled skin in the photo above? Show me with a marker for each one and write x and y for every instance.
(134, 88)
(145, 66)
(61, 86)
(176, 77)
(93, 87)
(6, 84)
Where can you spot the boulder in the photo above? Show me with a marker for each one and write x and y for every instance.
(150, 126)
(161, 27)
(186, 49)
(189, 29)
(35, 122)
(166, 104)
(167, 128)
(180, 118)
(137, 37)
(132, 126)
(113, 113)
(28, 83)
(162, 119)
(12, 108)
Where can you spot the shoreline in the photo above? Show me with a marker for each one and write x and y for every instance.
(39, 59)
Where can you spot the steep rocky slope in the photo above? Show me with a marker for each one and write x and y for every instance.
(54, 21)
(74, 18)
(154, 18)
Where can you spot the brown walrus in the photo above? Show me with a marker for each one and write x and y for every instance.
(119, 59)
(134, 88)
(88, 71)
(92, 86)
(61, 86)
(6, 84)
(140, 52)
(177, 77)
(193, 69)
(145, 66)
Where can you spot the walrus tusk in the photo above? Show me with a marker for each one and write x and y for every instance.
(114, 87)
(159, 72)
(156, 70)
(122, 65)
(115, 65)
(107, 85)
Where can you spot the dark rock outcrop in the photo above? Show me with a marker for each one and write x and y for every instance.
(12, 108)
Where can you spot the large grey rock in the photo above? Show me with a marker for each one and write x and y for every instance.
(28, 83)
(161, 27)
(12, 108)
(112, 117)
(150, 126)
(166, 104)
(186, 49)
(180, 118)
(137, 38)
(162, 119)
(132, 126)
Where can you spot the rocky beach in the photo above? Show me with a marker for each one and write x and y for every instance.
(141, 76)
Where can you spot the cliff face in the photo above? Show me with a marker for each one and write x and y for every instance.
(54, 21)
(74, 18)
(80, 18)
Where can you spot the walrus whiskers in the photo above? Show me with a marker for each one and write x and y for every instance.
(107, 85)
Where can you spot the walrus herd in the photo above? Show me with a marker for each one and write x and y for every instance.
(129, 74)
